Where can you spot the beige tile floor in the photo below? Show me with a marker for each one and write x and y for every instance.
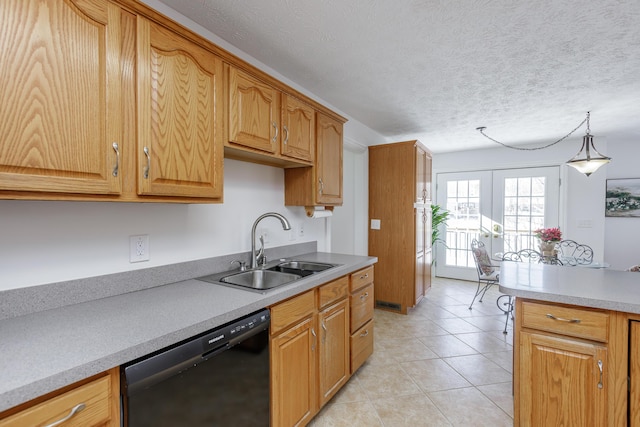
(440, 365)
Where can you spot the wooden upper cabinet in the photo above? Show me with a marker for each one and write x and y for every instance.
(180, 115)
(329, 160)
(60, 108)
(254, 112)
(320, 185)
(298, 129)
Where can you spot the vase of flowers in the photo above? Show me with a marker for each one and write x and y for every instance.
(548, 238)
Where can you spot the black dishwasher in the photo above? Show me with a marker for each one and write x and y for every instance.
(219, 378)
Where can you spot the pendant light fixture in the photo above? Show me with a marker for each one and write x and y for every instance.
(586, 163)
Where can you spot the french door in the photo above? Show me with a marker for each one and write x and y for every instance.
(501, 208)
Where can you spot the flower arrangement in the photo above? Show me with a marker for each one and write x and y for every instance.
(549, 235)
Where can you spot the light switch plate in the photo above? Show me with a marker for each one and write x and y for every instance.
(375, 224)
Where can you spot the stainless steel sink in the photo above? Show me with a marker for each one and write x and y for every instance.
(254, 279)
(263, 279)
(305, 265)
(302, 268)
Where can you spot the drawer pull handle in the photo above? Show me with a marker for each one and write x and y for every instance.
(313, 346)
(365, 333)
(600, 367)
(362, 297)
(79, 407)
(562, 319)
(366, 276)
(275, 137)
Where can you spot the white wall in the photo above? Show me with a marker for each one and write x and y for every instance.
(44, 242)
(582, 198)
(349, 222)
(622, 235)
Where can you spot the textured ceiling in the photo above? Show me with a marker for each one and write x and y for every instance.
(435, 70)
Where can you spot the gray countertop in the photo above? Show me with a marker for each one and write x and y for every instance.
(582, 286)
(43, 351)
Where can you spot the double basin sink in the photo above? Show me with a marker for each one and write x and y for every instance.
(263, 279)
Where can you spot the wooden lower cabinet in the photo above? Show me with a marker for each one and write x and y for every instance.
(569, 365)
(333, 350)
(293, 373)
(562, 381)
(90, 403)
(312, 350)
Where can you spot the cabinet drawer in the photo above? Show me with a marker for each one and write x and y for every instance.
(361, 345)
(575, 322)
(333, 291)
(291, 311)
(361, 278)
(361, 305)
(94, 395)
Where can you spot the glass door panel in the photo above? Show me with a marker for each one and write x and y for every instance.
(501, 208)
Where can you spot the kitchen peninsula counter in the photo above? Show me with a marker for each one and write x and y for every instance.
(583, 286)
(575, 350)
(43, 351)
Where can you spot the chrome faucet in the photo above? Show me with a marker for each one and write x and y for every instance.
(254, 256)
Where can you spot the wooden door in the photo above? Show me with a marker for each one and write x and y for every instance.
(298, 138)
(563, 381)
(254, 113)
(334, 349)
(60, 111)
(293, 375)
(329, 160)
(180, 115)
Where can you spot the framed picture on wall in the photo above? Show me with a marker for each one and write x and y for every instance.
(623, 198)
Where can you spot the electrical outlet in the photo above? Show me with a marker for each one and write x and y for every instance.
(139, 248)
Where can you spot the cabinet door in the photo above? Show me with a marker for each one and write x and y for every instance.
(334, 349)
(329, 160)
(293, 375)
(298, 138)
(60, 112)
(421, 170)
(563, 382)
(634, 374)
(180, 115)
(254, 112)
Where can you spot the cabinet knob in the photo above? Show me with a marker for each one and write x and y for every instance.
(365, 333)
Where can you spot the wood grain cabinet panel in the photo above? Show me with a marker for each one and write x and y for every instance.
(563, 382)
(91, 403)
(293, 375)
(334, 349)
(399, 199)
(320, 185)
(254, 112)
(60, 102)
(180, 115)
(298, 138)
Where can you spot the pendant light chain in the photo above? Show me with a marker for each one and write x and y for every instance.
(482, 128)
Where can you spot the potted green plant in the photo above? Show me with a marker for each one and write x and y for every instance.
(439, 216)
